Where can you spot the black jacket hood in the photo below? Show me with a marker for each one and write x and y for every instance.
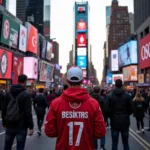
(118, 91)
(15, 90)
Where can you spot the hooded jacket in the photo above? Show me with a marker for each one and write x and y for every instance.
(75, 119)
(25, 106)
(119, 106)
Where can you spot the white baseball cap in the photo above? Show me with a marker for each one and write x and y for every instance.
(75, 72)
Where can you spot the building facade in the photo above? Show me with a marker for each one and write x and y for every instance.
(81, 38)
(119, 30)
(142, 12)
(37, 12)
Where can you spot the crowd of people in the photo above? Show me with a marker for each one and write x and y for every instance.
(80, 115)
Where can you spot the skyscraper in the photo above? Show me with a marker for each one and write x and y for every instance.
(119, 30)
(37, 12)
(142, 12)
(81, 40)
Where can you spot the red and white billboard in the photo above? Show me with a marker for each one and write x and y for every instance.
(81, 26)
(32, 38)
(81, 40)
(144, 55)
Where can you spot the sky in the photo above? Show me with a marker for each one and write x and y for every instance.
(62, 28)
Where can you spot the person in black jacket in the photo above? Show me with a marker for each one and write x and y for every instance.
(119, 106)
(40, 104)
(100, 97)
(148, 107)
(18, 129)
(140, 107)
(1, 99)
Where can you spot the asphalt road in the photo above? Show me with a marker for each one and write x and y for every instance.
(137, 141)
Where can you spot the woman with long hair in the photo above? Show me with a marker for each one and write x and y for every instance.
(139, 104)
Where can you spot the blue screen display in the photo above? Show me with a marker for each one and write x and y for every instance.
(82, 62)
(128, 54)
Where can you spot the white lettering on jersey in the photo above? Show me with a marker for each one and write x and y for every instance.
(74, 114)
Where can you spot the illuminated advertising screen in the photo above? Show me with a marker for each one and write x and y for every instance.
(144, 55)
(84, 73)
(128, 54)
(130, 73)
(81, 9)
(31, 67)
(81, 51)
(81, 26)
(9, 32)
(49, 51)
(32, 43)
(17, 68)
(81, 40)
(22, 38)
(43, 46)
(82, 62)
(5, 64)
(114, 60)
(109, 78)
(141, 78)
(116, 76)
(46, 71)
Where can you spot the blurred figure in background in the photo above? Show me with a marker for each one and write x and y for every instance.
(51, 96)
(140, 108)
(1, 100)
(40, 104)
(148, 107)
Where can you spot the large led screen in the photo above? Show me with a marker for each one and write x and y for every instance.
(130, 73)
(81, 62)
(128, 54)
(114, 60)
(116, 76)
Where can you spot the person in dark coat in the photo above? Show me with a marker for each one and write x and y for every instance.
(140, 107)
(1, 99)
(100, 97)
(119, 106)
(51, 96)
(40, 104)
(148, 107)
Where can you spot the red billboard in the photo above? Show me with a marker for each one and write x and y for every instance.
(17, 68)
(81, 26)
(5, 64)
(32, 38)
(144, 55)
(81, 40)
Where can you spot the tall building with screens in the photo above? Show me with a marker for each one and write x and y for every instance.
(81, 11)
(37, 12)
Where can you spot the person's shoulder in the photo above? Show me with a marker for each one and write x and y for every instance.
(56, 101)
(92, 101)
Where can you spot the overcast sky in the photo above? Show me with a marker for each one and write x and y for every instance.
(62, 28)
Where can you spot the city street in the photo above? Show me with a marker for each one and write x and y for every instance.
(137, 141)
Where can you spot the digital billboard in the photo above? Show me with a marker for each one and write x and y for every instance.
(43, 46)
(116, 76)
(46, 71)
(128, 54)
(81, 26)
(81, 51)
(17, 68)
(130, 73)
(23, 38)
(141, 78)
(144, 56)
(81, 40)
(9, 32)
(82, 62)
(32, 42)
(81, 9)
(31, 67)
(114, 60)
(5, 64)
(49, 51)
(109, 78)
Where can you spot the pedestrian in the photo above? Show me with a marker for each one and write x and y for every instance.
(148, 108)
(51, 96)
(17, 114)
(1, 100)
(140, 107)
(40, 104)
(75, 118)
(100, 97)
(119, 106)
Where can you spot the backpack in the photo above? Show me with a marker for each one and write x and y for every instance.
(13, 111)
(139, 106)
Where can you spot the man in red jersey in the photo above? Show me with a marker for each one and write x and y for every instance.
(75, 118)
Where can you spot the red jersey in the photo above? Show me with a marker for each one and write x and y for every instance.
(75, 119)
